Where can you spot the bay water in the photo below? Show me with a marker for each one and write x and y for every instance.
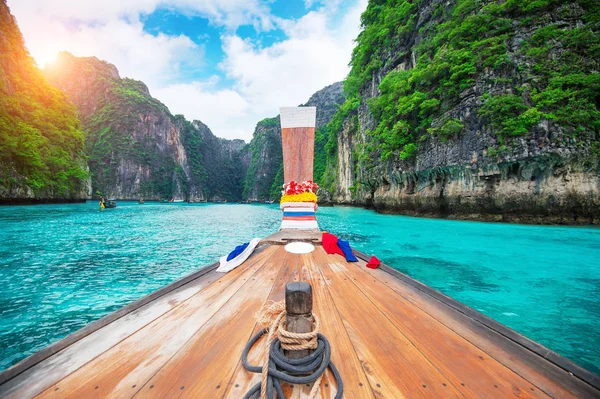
(63, 266)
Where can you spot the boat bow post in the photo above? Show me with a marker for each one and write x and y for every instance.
(298, 144)
(299, 317)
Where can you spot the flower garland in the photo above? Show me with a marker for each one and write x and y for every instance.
(292, 187)
(299, 192)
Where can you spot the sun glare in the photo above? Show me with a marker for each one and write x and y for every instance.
(46, 60)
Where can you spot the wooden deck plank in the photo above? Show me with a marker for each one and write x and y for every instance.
(394, 367)
(242, 380)
(285, 235)
(46, 373)
(203, 366)
(471, 370)
(546, 376)
(302, 268)
(343, 354)
(327, 388)
(127, 366)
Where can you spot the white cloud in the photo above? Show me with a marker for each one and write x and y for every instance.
(111, 30)
(230, 13)
(284, 74)
(137, 54)
(225, 112)
(314, 55)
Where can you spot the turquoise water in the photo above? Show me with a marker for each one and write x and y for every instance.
(63, 266)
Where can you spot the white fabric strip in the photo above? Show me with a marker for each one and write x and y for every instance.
(225, 266)
(298, 117)
(299, 224)
(298, 210)
(305, 205)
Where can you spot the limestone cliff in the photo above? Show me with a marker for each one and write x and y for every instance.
(225, 169)
(266, 161)
(473, 109)
(135, 146)
(41, 141)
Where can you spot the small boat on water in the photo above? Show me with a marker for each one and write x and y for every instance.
(141, 201)
(109, 203)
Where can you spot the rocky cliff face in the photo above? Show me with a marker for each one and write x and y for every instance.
(264, 176)
(225, 169)
(41, 142)
(327, 101)
(474, 110)
(135, 146)
(265, 169)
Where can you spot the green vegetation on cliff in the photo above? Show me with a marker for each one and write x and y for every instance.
(111, 140)
(41, 143)
(265, 173)
(552, 75)
(215, 162)
(136, 147)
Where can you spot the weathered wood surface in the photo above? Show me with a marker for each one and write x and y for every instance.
(389, 340)
(298, 152)
(298, 309)
(288, 235)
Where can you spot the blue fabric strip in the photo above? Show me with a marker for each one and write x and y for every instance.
(238, 250)
(345, 247)
(298, 214)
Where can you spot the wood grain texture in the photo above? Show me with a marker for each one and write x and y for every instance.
(204, 365)
(343, 353)
(124, 368)
(57, 349)
(394, 367)
(472, 371)
(46, 373)
(241, 380)
(544, 375)
(298, 153)
(285, 235)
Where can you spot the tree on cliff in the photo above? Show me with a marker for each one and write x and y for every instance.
(41, 143)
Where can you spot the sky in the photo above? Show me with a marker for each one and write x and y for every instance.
(228, 63)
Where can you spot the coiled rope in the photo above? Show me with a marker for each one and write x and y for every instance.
(280, 368)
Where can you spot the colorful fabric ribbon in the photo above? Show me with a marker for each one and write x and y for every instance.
(333, 245)
(373, 263)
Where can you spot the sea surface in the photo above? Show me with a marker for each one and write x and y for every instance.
(63, 266)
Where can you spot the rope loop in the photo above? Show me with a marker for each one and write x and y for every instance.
(277, 367)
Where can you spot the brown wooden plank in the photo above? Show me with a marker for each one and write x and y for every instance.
(297, 268)
(285, 235)
(394, 367)
(203, 366)
(242, 380)
(546, 376)
(56, 347)
(343, 354)
(327, 386)
(471, 370)
(44, 374)
(298, 153)
(127, 366)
